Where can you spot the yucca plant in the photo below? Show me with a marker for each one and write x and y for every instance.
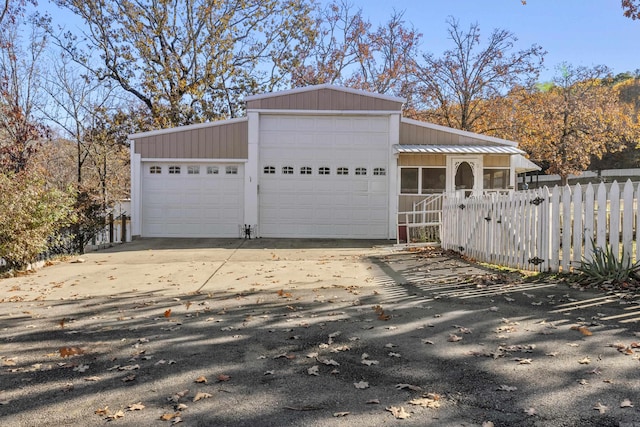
(606, 267)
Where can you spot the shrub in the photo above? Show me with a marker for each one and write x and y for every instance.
(30, 213)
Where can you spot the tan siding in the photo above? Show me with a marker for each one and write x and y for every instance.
(411, 134)
(222, 141)
(496, 161)
(324, 99)
(422, 160)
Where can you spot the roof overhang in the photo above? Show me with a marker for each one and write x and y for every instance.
(457, 149)
(522, 164)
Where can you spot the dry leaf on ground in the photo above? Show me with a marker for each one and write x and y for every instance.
(398, 412)
(136, 407)
(409, 386)
(169, 416)
(626, 403)
(361, 385)
(341, 414)
(584, 361)
(600, 408)
(454, 338)
(313, 370)
(201, 395)
(223, 378)
(430, 400)
(116, 415)
(504, 387)
(201, 379)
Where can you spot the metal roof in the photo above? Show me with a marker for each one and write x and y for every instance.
(457, 149)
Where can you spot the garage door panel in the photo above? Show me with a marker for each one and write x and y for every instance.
(199, 205)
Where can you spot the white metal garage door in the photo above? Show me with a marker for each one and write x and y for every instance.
(192, 200)
(324, 177)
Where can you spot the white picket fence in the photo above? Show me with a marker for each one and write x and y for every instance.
(542, 229)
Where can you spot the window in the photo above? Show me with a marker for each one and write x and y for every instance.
(231, 170)
(342, 171)
(408, 180)
(379, 171)
(287, 170)
(324, 170)
(422, 180)
(155, 169)
(174, 170)
(361, 171)
(193, 170)
(269, 170)
(433, 180)
(496, 179)
(212, 170)
(305, 170)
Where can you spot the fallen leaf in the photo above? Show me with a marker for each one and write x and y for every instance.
(488, 424)
(70, 351)
(61, 323)
(102, 411)
(81, 368)
(313, 370)
(361, 385)
(369, 362)
(373, 402)
(626, 404)
(201, 379)
(341, 414)
(523, 361)
(136, 407)
(116, 415)
(223, 378)
(129, 378)
(409, 386)
(398, 412)
(168, 417)
(94, 378)
(531, 412)
(201, 395)
(425, 341)
(167, 313)
(454, 338)
(584, 361)
(504, 387)
(392, 354)
(328, 362)
(430, 400)
(600, 408)
(176, 397)
(583, 330)
(176, 420)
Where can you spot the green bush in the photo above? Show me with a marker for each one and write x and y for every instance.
(606, 267)
(30, 213)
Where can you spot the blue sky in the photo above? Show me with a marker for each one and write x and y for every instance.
(580, 32)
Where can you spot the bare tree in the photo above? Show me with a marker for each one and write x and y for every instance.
(453, 89)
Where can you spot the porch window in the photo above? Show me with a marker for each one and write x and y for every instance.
(433, 180)
(174, 170)
(496, 179)
(409, 181)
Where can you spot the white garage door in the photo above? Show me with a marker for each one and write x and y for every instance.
(324, 177)
(192, 200)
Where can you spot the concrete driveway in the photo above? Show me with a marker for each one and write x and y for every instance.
(319, 333)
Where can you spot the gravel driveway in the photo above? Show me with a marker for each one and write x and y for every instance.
(319, 333)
